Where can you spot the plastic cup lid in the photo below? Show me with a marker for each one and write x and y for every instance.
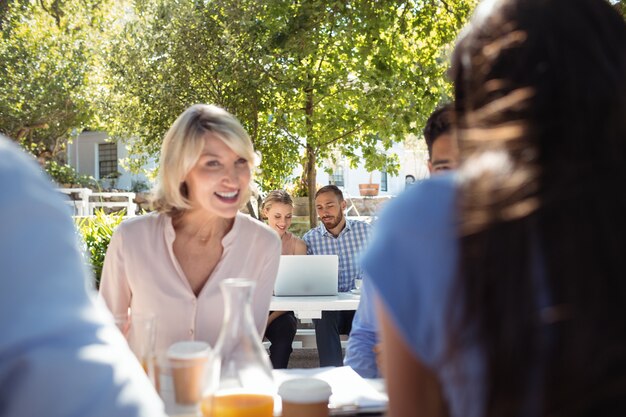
(305, 391)
(188, 350)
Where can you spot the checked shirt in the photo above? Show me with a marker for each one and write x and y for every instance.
(351, 241)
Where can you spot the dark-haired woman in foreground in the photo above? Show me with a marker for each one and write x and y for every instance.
(508, 289)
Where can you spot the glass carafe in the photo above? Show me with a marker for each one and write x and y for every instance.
(241, 381)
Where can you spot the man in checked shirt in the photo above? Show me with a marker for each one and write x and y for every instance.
(346, 239)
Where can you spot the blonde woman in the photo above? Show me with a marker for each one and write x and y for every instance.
(169, 263)
(281, 325)
(277, 208)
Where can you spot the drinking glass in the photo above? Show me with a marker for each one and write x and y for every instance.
(140, 332)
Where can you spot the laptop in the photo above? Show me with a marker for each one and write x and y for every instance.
(307, 275)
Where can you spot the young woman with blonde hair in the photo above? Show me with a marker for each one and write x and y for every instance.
(277, 208)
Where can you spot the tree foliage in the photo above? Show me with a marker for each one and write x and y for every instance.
(47, 55)
(311, 80)
(308, 79)
(356, 76)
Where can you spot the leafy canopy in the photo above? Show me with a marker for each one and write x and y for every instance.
(47, 59)
(307, 78)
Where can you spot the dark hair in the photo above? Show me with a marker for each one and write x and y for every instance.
(439, 123)
(540, 103)
(330, 189)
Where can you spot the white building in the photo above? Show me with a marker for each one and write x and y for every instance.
(413, 161)
(92, 154)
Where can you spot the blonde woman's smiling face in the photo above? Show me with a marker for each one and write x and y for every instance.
(219, 180)
(279, 216)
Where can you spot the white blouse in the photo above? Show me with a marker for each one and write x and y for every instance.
(141, 272)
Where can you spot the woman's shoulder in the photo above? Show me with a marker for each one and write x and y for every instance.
(427, 206)
(416, 232)
(293, 245)
(144, 223)
(416, 243)
(292, 237)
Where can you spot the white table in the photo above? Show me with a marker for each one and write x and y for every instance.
(311, 307)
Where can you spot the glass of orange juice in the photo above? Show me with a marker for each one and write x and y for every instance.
(240, 382)
(238, 405)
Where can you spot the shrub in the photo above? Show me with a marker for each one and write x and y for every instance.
(300, 188)
(96, 232)
(61, 174)
(139, 186)
(66, 174)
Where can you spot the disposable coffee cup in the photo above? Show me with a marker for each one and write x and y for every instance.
(305, 397)
(188, 361)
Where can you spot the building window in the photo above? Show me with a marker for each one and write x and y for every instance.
(107, 159)
(383, 180)
(337, 177)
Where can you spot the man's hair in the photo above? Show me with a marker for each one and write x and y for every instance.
(330, 189)
(439, 123)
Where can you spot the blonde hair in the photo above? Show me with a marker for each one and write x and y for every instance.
(182, 147)
(276, 196)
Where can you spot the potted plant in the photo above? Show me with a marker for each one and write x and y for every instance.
(110, 180)
(370, 189)
(63, 174)
(300, 196)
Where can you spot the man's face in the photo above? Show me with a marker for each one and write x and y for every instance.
(445, 154)
(329, 209)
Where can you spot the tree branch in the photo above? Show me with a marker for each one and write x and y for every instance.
(447, 6)
(290, 136)
(54, 12)
(339, 90)
(25, 130)
(338, 138)
(323, 55)
(273, 77)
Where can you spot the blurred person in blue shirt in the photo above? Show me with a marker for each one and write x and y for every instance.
(60, 352)
(364, 347)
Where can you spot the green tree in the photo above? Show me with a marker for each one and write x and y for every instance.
(46, 60)
(169, 56)
(357, 76)
(307, 79)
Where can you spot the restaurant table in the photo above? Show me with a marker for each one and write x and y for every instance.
(311, 307)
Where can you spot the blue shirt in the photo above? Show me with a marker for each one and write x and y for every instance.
(351, 241)
(60, 352)
(364, 335)
(412, 263)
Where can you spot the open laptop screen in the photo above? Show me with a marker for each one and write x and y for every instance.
(307, 275)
